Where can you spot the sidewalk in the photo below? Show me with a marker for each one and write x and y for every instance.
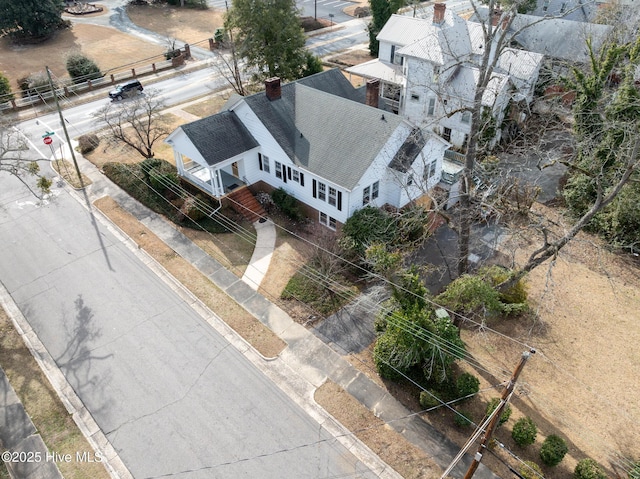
(307, 362)
(18, 436)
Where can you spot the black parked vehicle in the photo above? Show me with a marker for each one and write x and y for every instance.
(126, 90)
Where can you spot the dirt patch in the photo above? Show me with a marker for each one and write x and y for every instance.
(253, 331)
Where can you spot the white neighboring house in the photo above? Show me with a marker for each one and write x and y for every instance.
(428, 69)
(315, 139)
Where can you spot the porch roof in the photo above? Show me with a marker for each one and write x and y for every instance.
(387, 72)
(219, 137)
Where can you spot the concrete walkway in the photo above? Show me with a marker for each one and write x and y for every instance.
(261, 257)
(20, 440)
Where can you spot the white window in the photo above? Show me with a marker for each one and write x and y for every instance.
(430, 170)
(375, 189)
(265, 164)
(409, 180)
(415, 97)
(436, 74)
(327, 220)
(322, 191)
(333, 195)
(466, 117)
(295, 176)
(366, 195)
(278, 169)
(432, 107)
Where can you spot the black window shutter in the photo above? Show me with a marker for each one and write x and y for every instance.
(314, 187)
(339, 200)
(289, 172)
(284, 173)
(260, 160)
(301, 179)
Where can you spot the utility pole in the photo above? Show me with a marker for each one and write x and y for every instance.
(506, 394)
(489, 424)
(64, 126)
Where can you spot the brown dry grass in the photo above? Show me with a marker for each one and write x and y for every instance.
(51, 419)
(390, 446)
(252, 330)
(188, 25)
(18, 61)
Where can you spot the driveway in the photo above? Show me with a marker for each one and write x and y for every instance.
(172, 395)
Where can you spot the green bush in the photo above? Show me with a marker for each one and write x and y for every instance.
(165, 180)
(388, 357)
(34, 84)
(506, 412)
(87, 143)
(462, 419)
(5, 89)
(634, 473)
(430, 399)
(524, 431)
(287, 204)
(81, 68)
(467, 384)
(553, 450)
(530, 470)
(325, 301)
(470, 295)
(147, 165)
(497, 275)
(588, 469)
(366, 227)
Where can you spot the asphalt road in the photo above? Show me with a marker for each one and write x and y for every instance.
(173, 396)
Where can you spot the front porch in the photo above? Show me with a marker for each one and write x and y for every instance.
(215, 182)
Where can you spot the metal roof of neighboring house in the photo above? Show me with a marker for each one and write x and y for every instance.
(219, 137)
(558, 38)
(326, 135)
(387, 72)
(462, 85)
(521, 64)
(421, 38)
(554, 37)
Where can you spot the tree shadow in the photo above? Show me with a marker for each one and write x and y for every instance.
(76, 360)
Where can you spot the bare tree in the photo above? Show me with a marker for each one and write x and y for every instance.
(12, 147)
(137, 122)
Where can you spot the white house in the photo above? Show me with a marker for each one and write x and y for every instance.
(428, 69)
(316, 139)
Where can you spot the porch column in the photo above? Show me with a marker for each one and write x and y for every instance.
(177, 156)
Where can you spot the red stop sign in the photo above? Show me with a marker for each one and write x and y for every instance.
(47, 140)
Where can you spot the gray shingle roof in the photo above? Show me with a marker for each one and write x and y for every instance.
(219, 137)
(327, 134)
(334, 138)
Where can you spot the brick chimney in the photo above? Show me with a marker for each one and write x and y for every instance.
(373, 92)
(438, 13)
(272, 88)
